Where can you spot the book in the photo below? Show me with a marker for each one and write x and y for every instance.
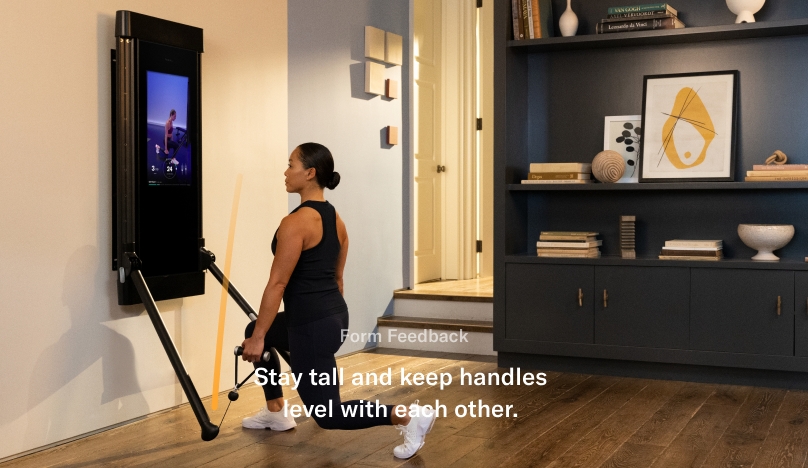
(776, 179)
(647, 17)
(676, 257)
(569, 245)
(525, 18)
(569, 233)
(693, 243)
(559, 175)
(691, 252)
(639, 25)
(546, 25)
(536, 19)
(516, 14)
(554, 255)
(692, 249)
(567, 238)
(569, 251)
(561, 167)
(567, 181)
(639, 14)
(641, 8)
(780, 167)
(777, 173)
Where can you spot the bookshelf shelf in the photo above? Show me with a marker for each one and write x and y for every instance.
(783, 264)
(761, 29)
(659, 186)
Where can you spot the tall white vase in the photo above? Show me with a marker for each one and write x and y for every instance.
(568, 23)
(745, 9)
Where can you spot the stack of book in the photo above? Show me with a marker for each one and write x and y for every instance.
(532, 19)
(568, 244)
(692, 250)
(639, 18)
(559, 173)
(777, 173)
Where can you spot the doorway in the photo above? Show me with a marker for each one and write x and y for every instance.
(453, 148)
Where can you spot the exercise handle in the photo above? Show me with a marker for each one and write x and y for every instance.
(264, 357)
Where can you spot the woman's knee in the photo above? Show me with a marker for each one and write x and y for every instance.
(249, 330)
(327, 423)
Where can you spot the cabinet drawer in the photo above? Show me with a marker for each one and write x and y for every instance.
(543, 303)
(736, 311)
(645, 306)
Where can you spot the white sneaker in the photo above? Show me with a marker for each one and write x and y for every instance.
(415, 432)
(266, 419)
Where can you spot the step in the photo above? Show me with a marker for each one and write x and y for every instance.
(410, 304)
(435, 334)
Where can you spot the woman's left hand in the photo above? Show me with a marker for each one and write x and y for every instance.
(253, 349)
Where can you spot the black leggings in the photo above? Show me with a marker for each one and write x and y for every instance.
(312, 346)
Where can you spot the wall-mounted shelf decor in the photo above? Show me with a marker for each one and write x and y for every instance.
(672, 316)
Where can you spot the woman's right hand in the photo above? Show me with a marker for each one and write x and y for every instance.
(253, 349)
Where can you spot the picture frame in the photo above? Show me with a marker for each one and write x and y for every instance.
(689, 123)
(623, 134)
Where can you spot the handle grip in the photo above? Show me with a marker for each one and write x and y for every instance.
(264, 357)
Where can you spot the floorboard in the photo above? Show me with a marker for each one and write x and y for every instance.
(573, 420)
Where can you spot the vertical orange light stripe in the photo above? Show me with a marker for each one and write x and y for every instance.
(217, 365)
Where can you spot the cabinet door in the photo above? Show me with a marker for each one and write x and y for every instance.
(549, 302)
(801, 313)
(645, 306)
(737, 311)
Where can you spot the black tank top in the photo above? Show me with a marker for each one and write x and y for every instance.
(312, 292)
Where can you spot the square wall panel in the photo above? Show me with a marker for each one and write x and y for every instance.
(374, 43)
(393, 50)
(374, 78)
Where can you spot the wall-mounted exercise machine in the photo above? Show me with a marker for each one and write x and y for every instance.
(158, 248)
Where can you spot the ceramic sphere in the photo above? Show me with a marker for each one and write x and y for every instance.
(608, 166)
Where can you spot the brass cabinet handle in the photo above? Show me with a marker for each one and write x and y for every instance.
(806, 306)
(605, 299)
(779, 305)
(581, 297)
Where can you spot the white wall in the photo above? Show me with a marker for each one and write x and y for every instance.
(328, 105)
(72, 360)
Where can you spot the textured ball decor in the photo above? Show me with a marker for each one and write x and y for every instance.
(608, 166)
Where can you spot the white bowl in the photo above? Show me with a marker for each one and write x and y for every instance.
(765, 238)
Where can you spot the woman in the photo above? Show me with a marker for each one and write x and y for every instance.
(169, 142)
(310, 247)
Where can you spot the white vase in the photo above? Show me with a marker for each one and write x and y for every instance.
(745, 9)
(568, 23)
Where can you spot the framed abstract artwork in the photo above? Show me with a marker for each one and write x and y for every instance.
(623, 133)
(689, 123)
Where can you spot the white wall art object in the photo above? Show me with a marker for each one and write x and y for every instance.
(393, 49)
(374, 43)
(374, 78)
(623, 133)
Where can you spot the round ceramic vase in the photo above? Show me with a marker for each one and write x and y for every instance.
(745, 9)
(568, 23)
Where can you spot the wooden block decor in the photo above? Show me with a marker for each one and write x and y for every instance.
(392, 135)
(627, 236)
(374, 78)
(391, 89)
(374, 43)
(393, 50)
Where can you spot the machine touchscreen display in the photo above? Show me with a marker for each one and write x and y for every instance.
(168, 144)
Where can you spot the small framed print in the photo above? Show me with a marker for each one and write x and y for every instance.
(689, 123)
(623, 133)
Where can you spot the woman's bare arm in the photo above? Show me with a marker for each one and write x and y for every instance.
(342, 235)
(291, 234)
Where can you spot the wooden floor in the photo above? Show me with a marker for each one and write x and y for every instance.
(480, 287)
(575, 420)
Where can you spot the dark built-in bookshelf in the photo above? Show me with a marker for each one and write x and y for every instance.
(659, 318)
